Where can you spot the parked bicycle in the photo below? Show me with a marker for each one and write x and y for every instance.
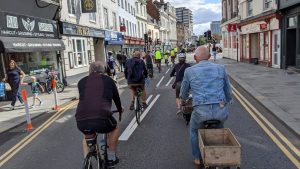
(94, 159)
(48, 82)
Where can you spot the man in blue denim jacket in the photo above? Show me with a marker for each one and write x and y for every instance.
(211, 93)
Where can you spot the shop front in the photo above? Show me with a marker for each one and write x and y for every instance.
(132, 44)
(31, 42)
(260, 41)
(113, 42)
(290, 34)
(83, 44)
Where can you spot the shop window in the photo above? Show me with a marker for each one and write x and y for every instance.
(229, 41)
(32, 63)
(72, 6)
(234, 45)
(92, 17)
(267, 4)
(79, 53)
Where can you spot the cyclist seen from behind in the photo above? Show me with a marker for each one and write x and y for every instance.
(211, 94)
(136, 73)
(158, 58)
(173, 56)
(93, 114)
(178, 71)
(149, 63)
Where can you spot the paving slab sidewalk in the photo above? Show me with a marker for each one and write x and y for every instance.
(276, 89)
(12, 118)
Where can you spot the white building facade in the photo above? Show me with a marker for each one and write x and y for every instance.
(84, 34)
(141, 16)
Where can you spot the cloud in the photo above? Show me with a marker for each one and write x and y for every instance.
(199, 29)
(204, 11)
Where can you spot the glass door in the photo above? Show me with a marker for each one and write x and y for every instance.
(276, 49)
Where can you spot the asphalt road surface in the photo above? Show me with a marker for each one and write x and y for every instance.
(160, 142)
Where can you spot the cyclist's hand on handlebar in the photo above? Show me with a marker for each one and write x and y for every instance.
(121, 110)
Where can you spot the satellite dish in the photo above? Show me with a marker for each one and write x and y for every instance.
(54, 2)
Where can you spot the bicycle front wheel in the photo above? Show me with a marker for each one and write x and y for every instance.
(48, 86)
(91, 161)
(60, 87)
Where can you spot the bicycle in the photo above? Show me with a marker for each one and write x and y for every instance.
(138, 107)
(173, 61)
(95, 160)
(158, 64)
(48, 83)
(150, 70)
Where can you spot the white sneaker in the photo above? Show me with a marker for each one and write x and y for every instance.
(41, 103)
(12, 108)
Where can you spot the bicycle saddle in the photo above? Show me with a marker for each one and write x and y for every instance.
(210, 124)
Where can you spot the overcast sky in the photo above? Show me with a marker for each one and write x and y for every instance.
(204, 11)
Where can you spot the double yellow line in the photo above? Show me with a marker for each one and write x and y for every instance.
(25, 141)
(270, 130)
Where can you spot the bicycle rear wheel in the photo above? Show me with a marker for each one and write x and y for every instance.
(48, 86)
(92, 161)
(138, 110)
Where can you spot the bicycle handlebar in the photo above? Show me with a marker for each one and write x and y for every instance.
(120, 114)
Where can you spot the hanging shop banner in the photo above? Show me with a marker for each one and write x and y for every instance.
(88, 6)
(113, 38)
(78, 30)
(15, 25)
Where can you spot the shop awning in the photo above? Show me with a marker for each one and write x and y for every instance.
(16, 44)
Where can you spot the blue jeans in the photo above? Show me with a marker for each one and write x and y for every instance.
(214, 54)
(200, 114)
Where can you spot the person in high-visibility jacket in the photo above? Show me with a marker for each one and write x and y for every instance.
(158, 59)
(173, 56)
(175, 50)
(166, 57)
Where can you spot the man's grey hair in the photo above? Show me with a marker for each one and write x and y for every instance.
(98, 67)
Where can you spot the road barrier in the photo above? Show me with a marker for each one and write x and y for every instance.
(28, 118)
(56, 106)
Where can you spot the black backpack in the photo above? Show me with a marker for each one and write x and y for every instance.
(135, 70)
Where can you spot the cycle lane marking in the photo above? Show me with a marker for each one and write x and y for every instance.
(248, 108)
(131, 128)
(168, 70)
(162, 78)
(169, 81)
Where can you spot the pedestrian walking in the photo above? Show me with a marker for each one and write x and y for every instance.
(214, 52)
(211, 94)
(120, 61)
(124, 59)
(15, 77)
(35, 89)
(178, 72)
(110, 63)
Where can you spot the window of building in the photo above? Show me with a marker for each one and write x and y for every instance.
(92, 17)
(224, 10)
(142, 29)
(249, 7)
(234, 45)
(128, 8)
(125, 5)
(139, 31)
(137, 8)
(72, 6)
(267, 4)
(292, 21)
(122, 4)
(106, 23)
(142, 14)
(79, 53)
(115, 20)
(119, 2)
(127, 27)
